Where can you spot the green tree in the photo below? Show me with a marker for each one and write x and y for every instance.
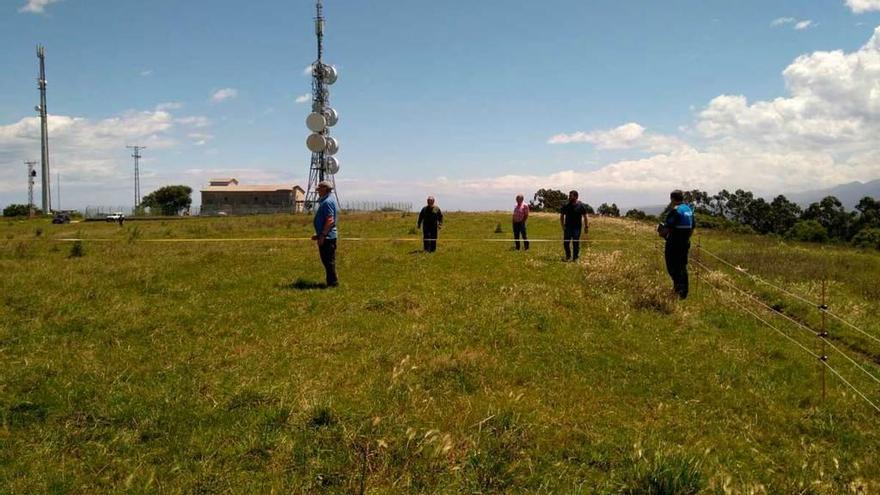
(699, 200)
(869, 214)
(16, 210)
(636, 214)
(867, 238)
(607, 210)
(808, 230)
(831, 214)
(170, 200)
(718, 203)
(548, 200)
(783, 214)
(757, 215)
(738, 205)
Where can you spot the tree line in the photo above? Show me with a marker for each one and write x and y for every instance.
(822, 221)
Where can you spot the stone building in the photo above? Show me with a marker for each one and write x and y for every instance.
(227, 196)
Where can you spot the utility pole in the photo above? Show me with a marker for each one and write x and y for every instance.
(137, 173)
(31, 174)
(44, 128)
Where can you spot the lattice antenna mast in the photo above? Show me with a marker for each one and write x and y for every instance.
(136, 154)
(44, 130)
(324, 165)
(31, 176)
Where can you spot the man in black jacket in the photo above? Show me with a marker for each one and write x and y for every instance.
(430, 221)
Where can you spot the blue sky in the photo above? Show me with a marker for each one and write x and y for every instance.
(470, 101)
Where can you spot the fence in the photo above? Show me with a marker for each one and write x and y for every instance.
(100, 212)
(376, 206)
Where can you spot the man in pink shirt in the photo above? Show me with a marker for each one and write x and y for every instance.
(520, 215)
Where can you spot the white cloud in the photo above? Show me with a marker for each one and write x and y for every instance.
(861, 6)
(304, 98)
(822, 133)
(626, 136)
(35, 6)
(796, 24)
(147, 72)
(782, 21)
(171, 105)
(307, 71)
(224, 94)
(197, 121)
(200, 138)
(84, 151)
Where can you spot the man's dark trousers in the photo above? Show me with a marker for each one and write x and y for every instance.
(429, 238)
(328, 258)
(676, 253)
(572, 235)
(519, 230)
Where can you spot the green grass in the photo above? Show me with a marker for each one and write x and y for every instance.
(132, 366)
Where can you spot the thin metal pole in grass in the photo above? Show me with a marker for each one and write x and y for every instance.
(823, 334)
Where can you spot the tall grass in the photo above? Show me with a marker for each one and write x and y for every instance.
(214, 367)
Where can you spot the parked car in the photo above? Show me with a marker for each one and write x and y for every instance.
(116, 216)
(61, 218)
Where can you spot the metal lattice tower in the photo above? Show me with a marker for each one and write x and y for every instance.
(137, 173)
(44, 128)
(324, 165)
(31, 175)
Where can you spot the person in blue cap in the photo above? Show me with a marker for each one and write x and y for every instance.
(325, 231)
(677, 229)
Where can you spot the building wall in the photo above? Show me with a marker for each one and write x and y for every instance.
(247, 202)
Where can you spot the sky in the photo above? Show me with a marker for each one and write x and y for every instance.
(471, 101)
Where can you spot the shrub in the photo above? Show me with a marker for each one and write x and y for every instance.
(867, 238)
(807, 230)
(77, 250)
(498, 229)
(664, 476)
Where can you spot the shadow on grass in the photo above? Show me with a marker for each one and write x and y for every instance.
(303, 284)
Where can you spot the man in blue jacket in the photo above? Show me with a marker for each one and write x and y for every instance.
(677, 229)
(325, 231)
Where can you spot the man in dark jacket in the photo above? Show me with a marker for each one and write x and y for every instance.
(430, 221)
(677, 228)
(573, 217)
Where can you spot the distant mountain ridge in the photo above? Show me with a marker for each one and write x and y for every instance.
(849, 194)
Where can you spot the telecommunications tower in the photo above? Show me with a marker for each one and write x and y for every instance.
(324, 165)
(136, 154)
(44, 127)
(32, 174)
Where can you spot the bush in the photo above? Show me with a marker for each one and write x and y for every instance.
(867, 238)
(808, 231)
(19, 211)
(77, 250)
(664, 476)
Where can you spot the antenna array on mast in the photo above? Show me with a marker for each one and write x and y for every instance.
(324, 165)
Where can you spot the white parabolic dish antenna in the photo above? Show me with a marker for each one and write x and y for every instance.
(331, 116)
(332, 146)
(316, 122)
(330, 74)
(316, 143)
(331, 165)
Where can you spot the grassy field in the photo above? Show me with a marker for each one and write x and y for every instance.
(133, 362)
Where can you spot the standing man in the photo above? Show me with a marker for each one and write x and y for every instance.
(520, 215)
(325, 231)
(430, 221)
(677, 230)
(573, 218)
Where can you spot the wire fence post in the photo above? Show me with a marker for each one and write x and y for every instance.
(823, 334)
